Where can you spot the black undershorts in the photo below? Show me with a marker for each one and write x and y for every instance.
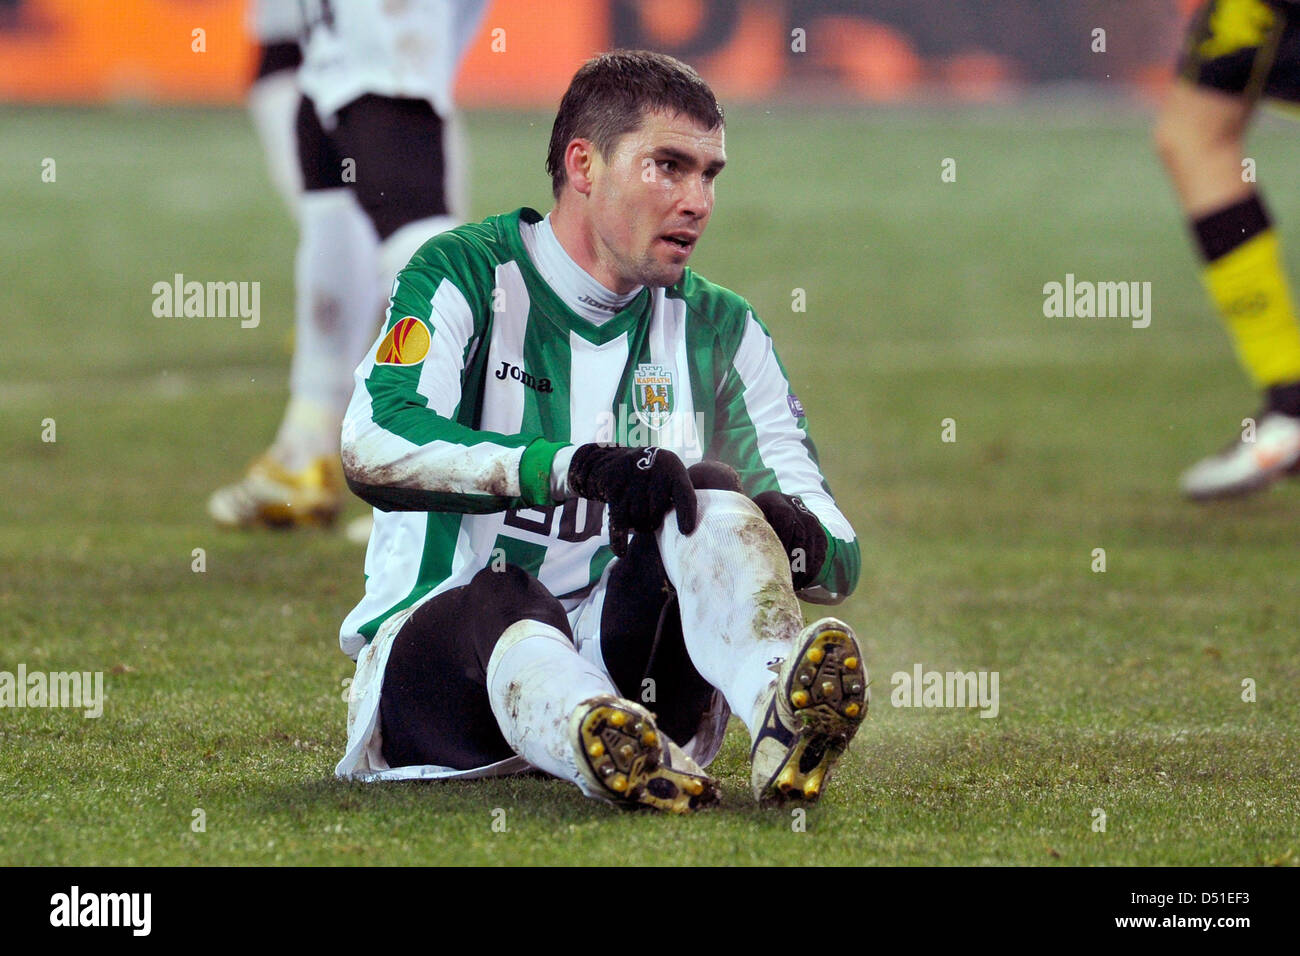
(395, 146)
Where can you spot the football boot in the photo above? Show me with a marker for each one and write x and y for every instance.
(817, 703)
(628, 761)
(1245, 465)
(269, 495)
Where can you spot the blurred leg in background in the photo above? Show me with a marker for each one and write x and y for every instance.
(1237, 52)
(273, 97)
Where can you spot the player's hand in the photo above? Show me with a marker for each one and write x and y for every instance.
(800, 532)
(640, 485)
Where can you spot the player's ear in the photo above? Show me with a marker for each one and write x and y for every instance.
(579, 161)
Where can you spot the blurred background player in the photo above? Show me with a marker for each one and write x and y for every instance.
(378, 152)
(273, 98)
(1238, 51)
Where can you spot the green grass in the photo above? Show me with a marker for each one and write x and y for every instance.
(1119, 691)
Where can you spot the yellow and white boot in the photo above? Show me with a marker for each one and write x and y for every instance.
(269, 495)
(625, 759)
(818, 701)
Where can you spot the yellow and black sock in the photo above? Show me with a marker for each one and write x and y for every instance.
(1243, 272)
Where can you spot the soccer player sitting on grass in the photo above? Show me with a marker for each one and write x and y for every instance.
(1238, 51)
(539, 596)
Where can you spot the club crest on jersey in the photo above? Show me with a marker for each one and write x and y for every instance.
(407, 343)
(652, 387)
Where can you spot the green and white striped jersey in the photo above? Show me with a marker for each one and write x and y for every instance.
(482, 374)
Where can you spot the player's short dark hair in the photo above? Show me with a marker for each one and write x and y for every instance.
(610, 94)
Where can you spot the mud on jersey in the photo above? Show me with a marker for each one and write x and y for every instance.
(482, 374)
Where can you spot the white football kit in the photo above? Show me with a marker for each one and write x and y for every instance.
(407, 50)
(275, 21)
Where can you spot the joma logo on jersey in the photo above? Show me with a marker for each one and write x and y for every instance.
(519, 375)
(652, 387)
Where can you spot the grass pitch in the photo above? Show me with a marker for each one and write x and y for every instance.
(1120, 692)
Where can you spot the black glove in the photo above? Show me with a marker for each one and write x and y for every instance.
(800, 532)
(640, 485)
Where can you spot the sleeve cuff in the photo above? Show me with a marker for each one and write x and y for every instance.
(560, 472)
(828, 563)
(535, 471)
(838, 577)
(818, 590)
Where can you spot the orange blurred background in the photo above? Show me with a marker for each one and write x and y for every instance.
(199, 50)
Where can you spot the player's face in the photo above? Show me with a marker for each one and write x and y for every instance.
(650, 202)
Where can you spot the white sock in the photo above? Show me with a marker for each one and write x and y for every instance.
(535, 681)
(336, 320)
(396, 251)
(273, 104)
(308, 431)
(739, 612)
